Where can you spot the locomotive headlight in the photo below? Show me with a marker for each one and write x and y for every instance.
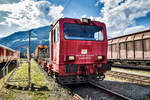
(99, 57)
(71, 58)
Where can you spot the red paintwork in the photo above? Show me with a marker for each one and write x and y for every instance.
(6, 54)
(0, 51)
(64, 48)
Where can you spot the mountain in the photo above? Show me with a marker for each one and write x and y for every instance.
(39, 36)
(20, 39)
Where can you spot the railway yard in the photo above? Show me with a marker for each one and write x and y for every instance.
(74, 49)
(119, 84)
(89, 71)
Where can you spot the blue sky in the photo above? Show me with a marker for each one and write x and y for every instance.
(120, 16)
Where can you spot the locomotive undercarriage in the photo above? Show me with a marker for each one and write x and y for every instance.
(76, 79)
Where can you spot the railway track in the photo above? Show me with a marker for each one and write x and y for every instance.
(131, 77)
(120, 96)
(75, 95)
(94, 91)
(146, 68)
(96, 88)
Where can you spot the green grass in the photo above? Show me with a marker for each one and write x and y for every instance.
(42, 89)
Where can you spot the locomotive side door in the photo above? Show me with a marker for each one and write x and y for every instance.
(54, 43)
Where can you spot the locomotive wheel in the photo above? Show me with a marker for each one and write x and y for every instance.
(50, 73)
(55, 76)
(46, 69)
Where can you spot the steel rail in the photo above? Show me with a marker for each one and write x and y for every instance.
(133, 77)
(78, 97)
(110, 91)
(146, 68)
(75, 95)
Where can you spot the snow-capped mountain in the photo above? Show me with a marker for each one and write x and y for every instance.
(17, 39)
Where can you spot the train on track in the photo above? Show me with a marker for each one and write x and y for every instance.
(77, 51)
(41, 56)
(7, 54)
(130, 48)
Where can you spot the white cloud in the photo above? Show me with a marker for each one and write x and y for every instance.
(84, 16)
(121, 14)
(135, 29)
(33, 39)
(28, 14)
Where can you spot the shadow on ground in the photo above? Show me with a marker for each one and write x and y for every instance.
(33, 87)
(10, 68)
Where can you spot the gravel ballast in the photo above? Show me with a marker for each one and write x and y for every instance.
(132, 90)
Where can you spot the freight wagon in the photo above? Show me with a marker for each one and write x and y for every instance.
(131, 48)
(7, 54)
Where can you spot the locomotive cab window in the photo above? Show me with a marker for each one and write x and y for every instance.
(56, 33)
(83, 32)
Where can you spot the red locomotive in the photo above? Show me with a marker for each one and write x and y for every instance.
(7, 54)
(77, 51)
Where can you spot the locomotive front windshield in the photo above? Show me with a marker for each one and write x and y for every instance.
(83, 32)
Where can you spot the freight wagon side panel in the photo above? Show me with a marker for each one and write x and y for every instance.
(109, 52)
(138, 50)
(147, 49)
(114, 51)
(146, 42)
(123, 50)
(138, 47)
(130, 50)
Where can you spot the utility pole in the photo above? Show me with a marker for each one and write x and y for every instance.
(29, 61)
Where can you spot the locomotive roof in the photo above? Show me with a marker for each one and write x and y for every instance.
(130, 34)
(7, 47)
(56, 21)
